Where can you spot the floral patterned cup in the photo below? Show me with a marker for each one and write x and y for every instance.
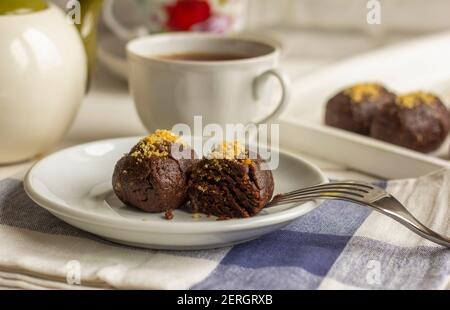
(156, 16)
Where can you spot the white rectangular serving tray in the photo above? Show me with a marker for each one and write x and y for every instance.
(422, 64)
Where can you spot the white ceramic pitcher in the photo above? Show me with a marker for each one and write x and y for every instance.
(44, 73)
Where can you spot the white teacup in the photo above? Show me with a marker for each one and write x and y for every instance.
(171, 91)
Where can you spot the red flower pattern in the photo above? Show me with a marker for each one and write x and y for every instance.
(183, 14)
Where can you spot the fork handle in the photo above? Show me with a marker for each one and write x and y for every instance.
(395, 210)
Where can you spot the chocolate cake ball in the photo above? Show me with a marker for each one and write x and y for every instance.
(353, 108)
(418, 121)
(234, 185)
(150, 178)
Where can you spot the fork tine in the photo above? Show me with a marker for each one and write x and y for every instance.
(302, 198)
(350, 183)
(355, 185)
(337, 193)
(328, 187)
(324, 191)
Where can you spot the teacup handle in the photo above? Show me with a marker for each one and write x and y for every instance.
(285, 83)
(117, 28)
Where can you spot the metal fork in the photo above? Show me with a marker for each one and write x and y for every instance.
(367, 195)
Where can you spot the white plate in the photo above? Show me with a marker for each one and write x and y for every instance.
(417, 65)
(75, 185)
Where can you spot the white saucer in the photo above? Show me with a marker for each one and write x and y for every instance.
(75, 185)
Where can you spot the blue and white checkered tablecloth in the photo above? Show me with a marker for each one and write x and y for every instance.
(339, 245)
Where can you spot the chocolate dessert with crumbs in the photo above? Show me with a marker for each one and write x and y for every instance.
(418, 120)
(230, 183)
(150, 178)
(354, 108)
